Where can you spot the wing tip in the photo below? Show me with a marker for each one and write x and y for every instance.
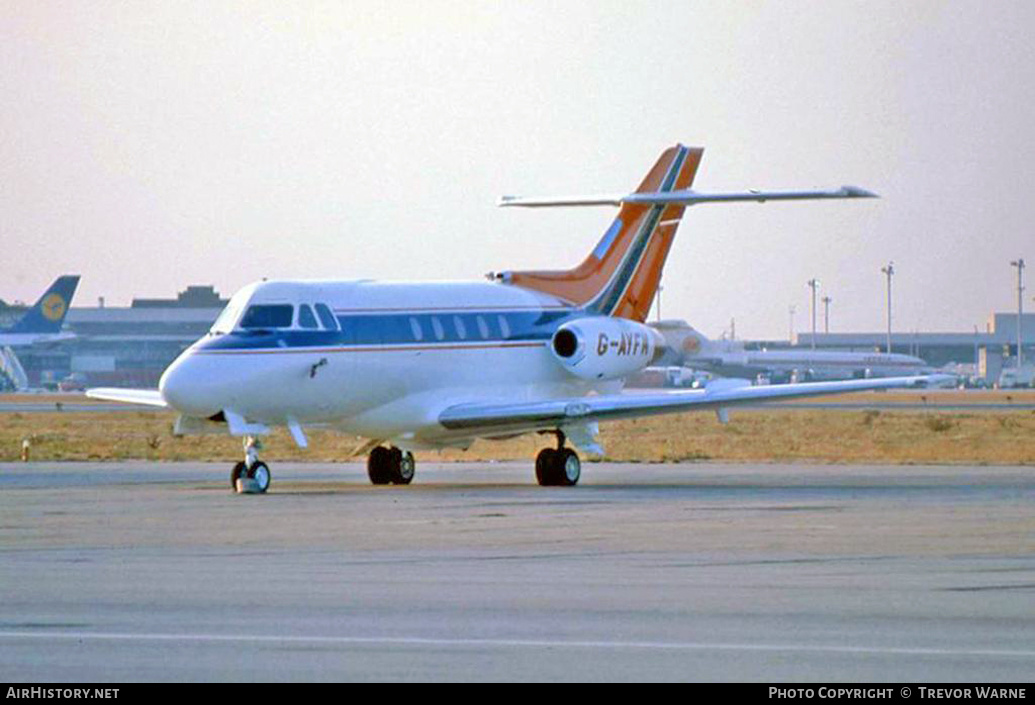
(858, 192)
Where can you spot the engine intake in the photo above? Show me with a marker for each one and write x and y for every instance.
(565, 343)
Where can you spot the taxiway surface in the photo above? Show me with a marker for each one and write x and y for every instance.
(137, 571)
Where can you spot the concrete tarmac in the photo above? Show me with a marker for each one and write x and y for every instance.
(703, 572)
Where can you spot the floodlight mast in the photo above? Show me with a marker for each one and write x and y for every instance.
(889, 271)
(813, 284)
(1019, 263)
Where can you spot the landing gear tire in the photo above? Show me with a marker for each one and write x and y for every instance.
(240, 470)
(379, 466)
(260, 472)
(569, 468)
(543, 462)
(557, 467)
(405, 469)
(251, 467)
(391, 466)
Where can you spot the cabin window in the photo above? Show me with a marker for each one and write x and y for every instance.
(418, 333)
(504, 326)
(436, 325)
(268, 316)
(461, 330)
(483, 327)
(306, 319)
(326, 317)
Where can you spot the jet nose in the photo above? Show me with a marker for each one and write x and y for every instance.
(186, 388)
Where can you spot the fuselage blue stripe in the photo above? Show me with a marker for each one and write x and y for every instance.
(402, 329)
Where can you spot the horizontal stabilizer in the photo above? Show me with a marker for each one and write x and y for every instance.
(147, 397)
(684, 197)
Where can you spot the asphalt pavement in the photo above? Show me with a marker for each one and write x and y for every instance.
(693, 572)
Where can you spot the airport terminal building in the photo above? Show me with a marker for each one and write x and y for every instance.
(990, 350)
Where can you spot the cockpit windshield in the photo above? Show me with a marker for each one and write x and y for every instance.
(228, 318)
(254, 316)
(268, 316)
(243, 314)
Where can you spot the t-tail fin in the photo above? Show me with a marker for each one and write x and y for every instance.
(48, 314)
(620, 276)
(682, 338)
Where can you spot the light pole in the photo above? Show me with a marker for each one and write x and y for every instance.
(889, 271)
(1019, 263)
(790, 330)
(826, 313)
(813, 284)
(977, 356)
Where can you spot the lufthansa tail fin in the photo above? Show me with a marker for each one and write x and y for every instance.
(48, 314)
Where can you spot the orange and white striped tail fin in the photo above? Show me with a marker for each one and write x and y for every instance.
(621, 276)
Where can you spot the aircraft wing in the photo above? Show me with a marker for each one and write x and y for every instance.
(147, 397)
(718, 396)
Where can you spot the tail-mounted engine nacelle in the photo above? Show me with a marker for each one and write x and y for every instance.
(605, 348)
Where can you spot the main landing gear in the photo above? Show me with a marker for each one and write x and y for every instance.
(558, 467)
(390, 466)
(251, 467)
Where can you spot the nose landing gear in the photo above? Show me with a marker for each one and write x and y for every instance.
(251, 467)
(391, 466)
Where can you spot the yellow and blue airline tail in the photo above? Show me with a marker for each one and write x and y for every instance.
(621, 275)
(48, 313)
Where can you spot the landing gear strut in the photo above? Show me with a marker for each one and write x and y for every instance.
(391, 466)
(251, 467)
(558, 467)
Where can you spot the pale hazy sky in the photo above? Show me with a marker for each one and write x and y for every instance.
(151, 145)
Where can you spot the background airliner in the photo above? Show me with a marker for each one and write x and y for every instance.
(40, 324)
(687, 347)
(439, 364)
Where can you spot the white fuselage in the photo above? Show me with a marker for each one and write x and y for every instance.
(402, 353)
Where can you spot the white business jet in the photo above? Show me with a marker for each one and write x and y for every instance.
(439, 364)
